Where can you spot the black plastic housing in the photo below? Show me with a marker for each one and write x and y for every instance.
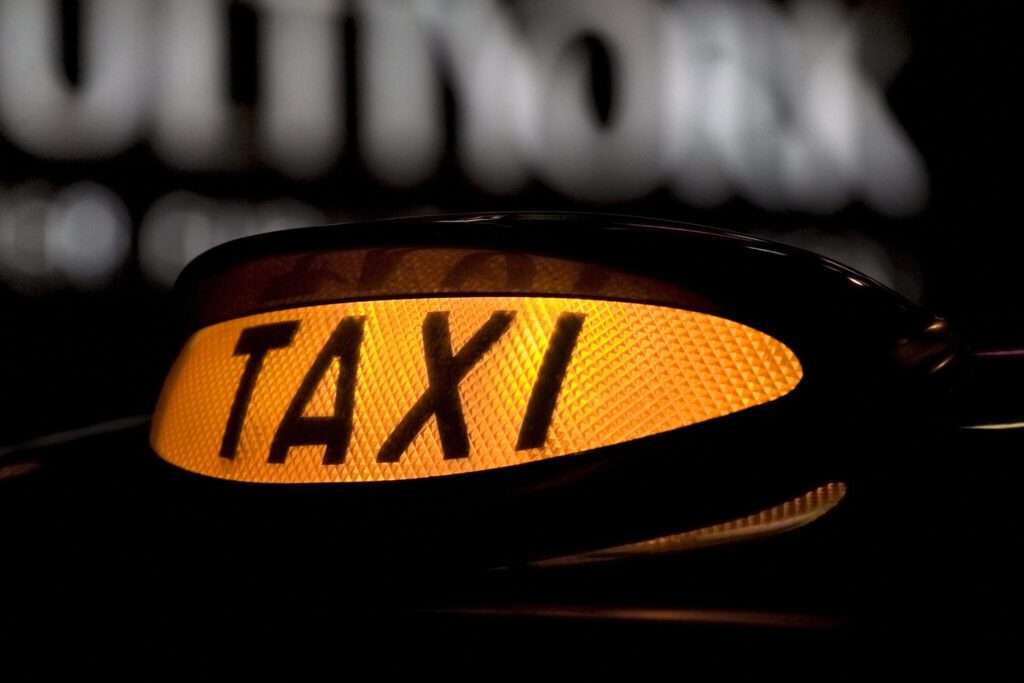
(873, 366)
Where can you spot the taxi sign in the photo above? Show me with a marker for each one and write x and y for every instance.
(411, 388)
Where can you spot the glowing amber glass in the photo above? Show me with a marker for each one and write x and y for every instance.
(634, 370)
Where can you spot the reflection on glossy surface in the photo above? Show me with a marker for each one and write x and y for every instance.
(997, 425)
(784, 517)
(721, 617)
(18, 469)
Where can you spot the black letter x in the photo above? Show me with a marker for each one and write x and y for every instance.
(441, 398)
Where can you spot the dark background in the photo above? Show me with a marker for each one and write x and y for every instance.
(86, 343)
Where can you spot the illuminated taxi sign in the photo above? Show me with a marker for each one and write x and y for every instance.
(412, 388)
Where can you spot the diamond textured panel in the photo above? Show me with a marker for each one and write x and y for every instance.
(635, 370)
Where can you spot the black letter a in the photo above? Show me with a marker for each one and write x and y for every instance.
(334, 431)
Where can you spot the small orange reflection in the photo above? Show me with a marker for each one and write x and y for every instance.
(775, 520)
(18, 469)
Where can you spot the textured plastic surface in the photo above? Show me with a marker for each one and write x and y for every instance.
(634, 370)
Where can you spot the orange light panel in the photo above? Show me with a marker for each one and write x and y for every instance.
(411, 388)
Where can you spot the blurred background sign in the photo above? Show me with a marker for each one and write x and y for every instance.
(135, 134)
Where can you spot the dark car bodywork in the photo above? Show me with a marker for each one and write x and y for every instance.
(113, 550)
